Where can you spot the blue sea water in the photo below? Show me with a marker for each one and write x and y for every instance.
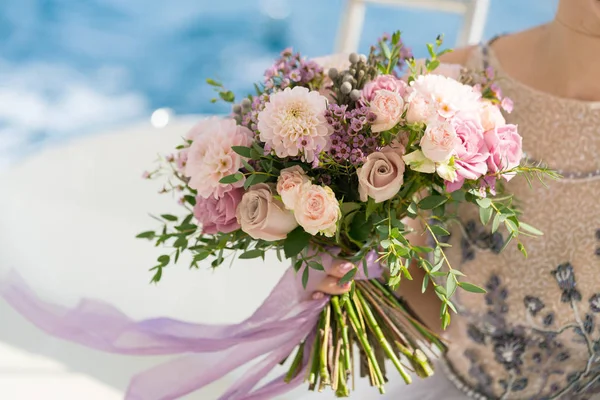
(75, 67)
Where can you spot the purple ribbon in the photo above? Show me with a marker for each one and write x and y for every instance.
(285, 318)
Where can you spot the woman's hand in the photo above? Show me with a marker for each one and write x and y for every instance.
(330, 284)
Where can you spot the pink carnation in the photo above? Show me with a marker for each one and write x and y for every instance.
(384, 82)
(218, 215)
(210, 157)
(470, 153)
(293, 123)
(505, 147)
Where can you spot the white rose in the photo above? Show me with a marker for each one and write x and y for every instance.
(446, 171)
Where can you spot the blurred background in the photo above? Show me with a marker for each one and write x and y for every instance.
(84, 87)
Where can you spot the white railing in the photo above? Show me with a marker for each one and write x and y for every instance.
(474, 14)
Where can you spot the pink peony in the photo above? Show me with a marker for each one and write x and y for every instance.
(218, 215)
(419, 109)
(388, 107)
(290, 183)
(293, 123)
(210, 157)
(384, 82)
(439, 141)
(317, 210)
(505, 147)
(490, 115)
(471, 151)
(446, 95)
(262, 216)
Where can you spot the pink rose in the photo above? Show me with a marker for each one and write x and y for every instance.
(218, 215)
(388, 107)
(419, 109)
(384, 82)
(439, 141)
(317, 210)
(382, 175)
(491, 117)
(262, 216)
(505, 146)
(471, 152)
(289, 183)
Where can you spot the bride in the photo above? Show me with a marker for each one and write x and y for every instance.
(536, 333)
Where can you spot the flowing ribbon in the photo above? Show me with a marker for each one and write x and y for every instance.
(287, 317)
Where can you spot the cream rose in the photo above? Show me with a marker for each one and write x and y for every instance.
(382, 175)
(491, 117)
(388, 106)
(289, 183)
(439, 141)
(261, 216)
(418, 109)
(317, 210)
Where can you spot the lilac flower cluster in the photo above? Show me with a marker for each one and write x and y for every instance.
(251, 109)
(290, 70)
(351, 139)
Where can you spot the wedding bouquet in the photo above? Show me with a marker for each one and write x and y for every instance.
(325, 162)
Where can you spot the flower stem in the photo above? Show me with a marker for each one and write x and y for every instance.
(325, 378)
(364, 341)
(372, 322)
(335, 302)
(296, 364)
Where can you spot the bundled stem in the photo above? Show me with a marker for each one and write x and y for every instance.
(374, 319)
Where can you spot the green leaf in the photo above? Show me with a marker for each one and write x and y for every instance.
(422, 249)
(386, 50)
(456, 272)
(298, 265)
(349, 207)
(169, 217)
(511, 226)
(496, 223)
(469, 287)
(451, 306)
(530, 229)
(349, 276)
(430, 50)
(247, 166)
(316, 265)
(371, 207)
(431, 202)
(251, 254)
(238, 176)
(227, 96)
(425, 283)
(445, 320)
(255, 179)
(201, 256)
(433, 65)
(522, 249)
(484, 202)
(181, 242)
(450, 285)
(439, 230)
(385, 244)
(242, 151)
(441, 290)
(164, 260)
(295, 242)
(212, 82)
(485, 214)
(305, 277)
(146, 235)
(360, 228)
